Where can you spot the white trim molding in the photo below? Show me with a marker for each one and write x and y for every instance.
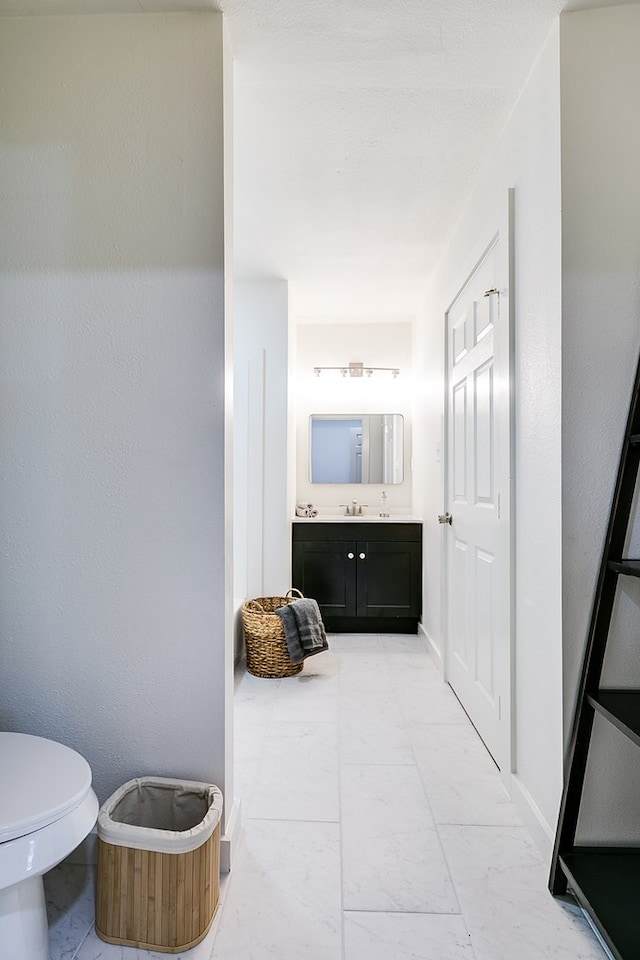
(230, 838)
(532, 817)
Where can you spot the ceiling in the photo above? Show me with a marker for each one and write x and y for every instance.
(360, 129)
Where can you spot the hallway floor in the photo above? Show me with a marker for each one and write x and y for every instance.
(375, 828)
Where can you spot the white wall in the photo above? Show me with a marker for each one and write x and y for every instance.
(261, 359)
(335, 344)
(112, 353)
(527, 158)
(600, 75)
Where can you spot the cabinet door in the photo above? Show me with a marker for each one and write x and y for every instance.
(326, 571)
(388, 579)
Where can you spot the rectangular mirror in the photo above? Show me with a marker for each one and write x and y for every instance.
(351, 448)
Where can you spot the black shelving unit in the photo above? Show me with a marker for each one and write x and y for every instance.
(604, 881)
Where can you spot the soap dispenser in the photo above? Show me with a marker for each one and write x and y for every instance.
(384, 506)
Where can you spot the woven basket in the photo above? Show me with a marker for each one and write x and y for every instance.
(158, 880)
(157, 901)
(267, 653)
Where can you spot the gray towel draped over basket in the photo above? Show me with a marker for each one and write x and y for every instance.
(303, 629)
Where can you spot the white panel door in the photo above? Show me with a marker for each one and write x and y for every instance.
(478, 587)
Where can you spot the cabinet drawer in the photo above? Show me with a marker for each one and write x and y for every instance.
(385, 532)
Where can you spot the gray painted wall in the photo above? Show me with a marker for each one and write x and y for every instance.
(112, 363)
(600, 76)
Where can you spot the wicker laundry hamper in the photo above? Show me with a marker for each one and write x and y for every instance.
(267, 652)
(158, 881)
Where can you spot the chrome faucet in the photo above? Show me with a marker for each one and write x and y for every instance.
(354, 509)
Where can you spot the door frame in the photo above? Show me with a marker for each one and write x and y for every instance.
(502, 229)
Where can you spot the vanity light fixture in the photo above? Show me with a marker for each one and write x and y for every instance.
(359, 370)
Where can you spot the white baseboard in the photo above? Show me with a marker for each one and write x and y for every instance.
(433, 648)
(542, 834)
(230, 837)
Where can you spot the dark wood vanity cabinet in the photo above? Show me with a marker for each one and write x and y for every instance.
(365, 576)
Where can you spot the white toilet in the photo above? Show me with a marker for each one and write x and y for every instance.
(47, 807)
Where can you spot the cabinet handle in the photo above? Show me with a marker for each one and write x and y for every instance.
(362, 556)
(350, 556)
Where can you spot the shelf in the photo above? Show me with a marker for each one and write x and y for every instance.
(622, 708)
(606, 882)
(630, 568)
(634, 439)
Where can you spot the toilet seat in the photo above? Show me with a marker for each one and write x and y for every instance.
(42, 781)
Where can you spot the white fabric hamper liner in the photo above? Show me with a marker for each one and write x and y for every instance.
(160, 814)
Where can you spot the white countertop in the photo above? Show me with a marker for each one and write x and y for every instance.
(364, 518)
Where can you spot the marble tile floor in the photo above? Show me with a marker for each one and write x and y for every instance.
(375, 827)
